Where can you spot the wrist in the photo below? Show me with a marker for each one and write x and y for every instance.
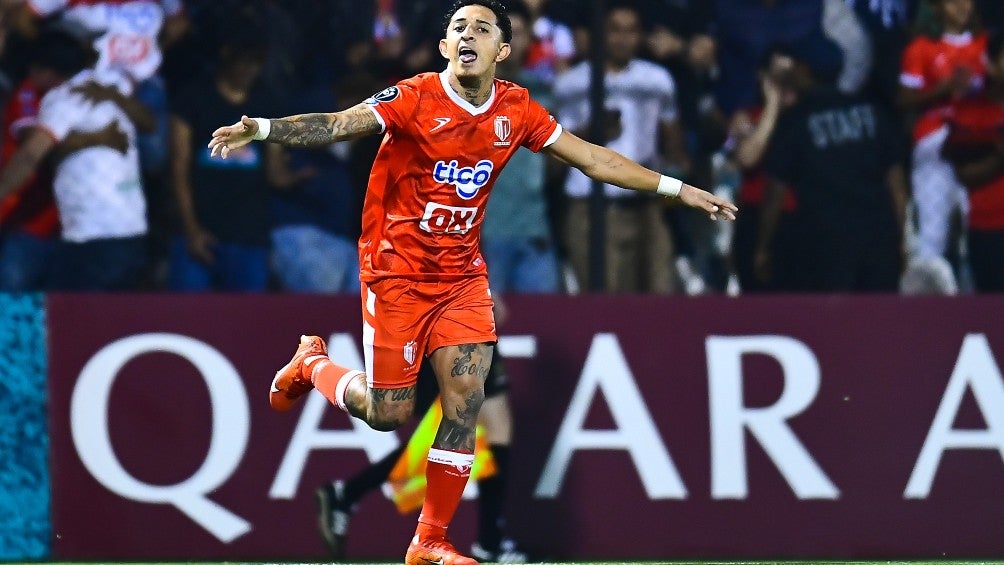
(264, 128)
(669, 186)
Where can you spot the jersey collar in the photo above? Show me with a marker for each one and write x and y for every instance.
(958, 39)
(459, 101)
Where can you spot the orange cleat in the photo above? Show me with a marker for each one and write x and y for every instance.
(289, 383)
(435, 551)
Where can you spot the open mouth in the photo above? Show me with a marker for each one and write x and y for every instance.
(467, 55)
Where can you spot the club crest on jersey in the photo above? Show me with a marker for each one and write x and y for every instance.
(385, 95)
(409, 352)
(468, 180)
(502, 130)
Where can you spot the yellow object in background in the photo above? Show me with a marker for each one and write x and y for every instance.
(407, 478)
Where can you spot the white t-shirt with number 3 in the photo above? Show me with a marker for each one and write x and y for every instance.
(128, 30)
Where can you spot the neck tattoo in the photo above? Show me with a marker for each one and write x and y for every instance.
(470, 90)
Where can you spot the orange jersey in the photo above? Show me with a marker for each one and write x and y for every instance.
(927, 62)
(430, 181)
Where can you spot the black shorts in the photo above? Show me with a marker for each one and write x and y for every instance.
(496, 383)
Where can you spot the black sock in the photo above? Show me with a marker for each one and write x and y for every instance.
(491, 496)
(371, 477)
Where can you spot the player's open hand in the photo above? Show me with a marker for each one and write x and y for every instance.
(228, 138)
(704, 200)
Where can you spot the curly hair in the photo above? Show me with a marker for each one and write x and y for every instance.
(499, 9)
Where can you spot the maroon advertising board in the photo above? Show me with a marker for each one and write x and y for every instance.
(645, 428)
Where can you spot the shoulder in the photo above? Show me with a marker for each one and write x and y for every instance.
(921, 45)
(577, 73)
(648, 67)
(644, 78)
(511, 90)
(409, 87)
(652, 73)
(422, 82)
(64, 92)
(575, 78)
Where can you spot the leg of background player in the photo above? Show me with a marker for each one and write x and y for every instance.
(496, 417)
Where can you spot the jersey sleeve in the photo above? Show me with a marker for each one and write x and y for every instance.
(912, 72)
(394, 106)
(542, 129)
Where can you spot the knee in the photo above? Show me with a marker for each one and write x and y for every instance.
(385, 424)
(386, 418)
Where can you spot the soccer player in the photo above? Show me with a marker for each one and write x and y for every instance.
(424, 282)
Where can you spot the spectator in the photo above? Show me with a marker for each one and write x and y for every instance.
(887, 23)
(315, 222)
(223, 242)
(751, 134)
(747, 29)
(98, 188)
(641, 117)
(30, 224)
(679, 37)
(975, 145)
(839, 155)
(552, 47)
(129, 37)
(842, 26)
(516, 238)
(393, 38)
(944, 66)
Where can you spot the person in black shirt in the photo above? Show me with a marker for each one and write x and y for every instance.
(842, 157)
(223, 205)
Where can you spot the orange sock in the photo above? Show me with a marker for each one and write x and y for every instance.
(330, 380)
(446, 476)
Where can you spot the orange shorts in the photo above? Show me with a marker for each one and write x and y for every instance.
(405, 321)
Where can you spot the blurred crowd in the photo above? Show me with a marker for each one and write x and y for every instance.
(862, 139)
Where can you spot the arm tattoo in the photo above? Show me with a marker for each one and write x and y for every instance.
(312, 130)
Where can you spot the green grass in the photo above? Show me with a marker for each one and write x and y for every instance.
(805, 562)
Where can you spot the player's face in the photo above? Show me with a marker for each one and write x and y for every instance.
(473, 42)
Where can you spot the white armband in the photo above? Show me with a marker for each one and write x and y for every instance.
(264, 128)
(668, 186)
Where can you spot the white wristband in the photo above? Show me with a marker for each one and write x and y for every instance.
(264, 128)
(668, 186)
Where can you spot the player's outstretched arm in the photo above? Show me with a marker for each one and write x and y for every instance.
(611, 167)
(303, 130)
